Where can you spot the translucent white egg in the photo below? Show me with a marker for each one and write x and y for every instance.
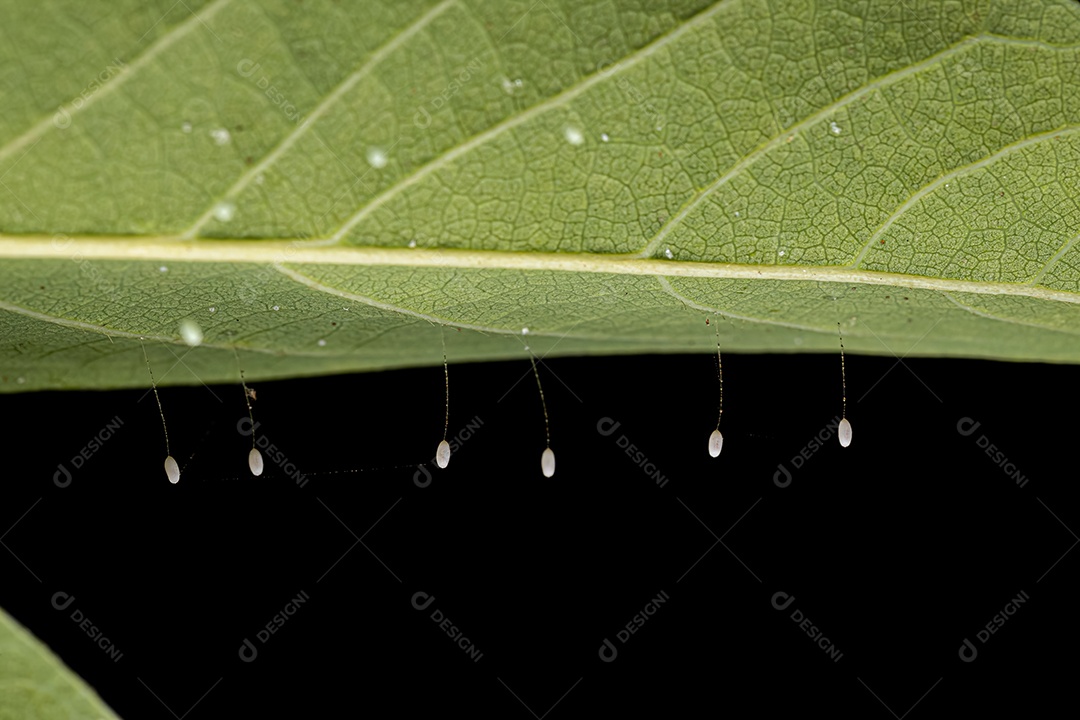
(547, 462)
(255, 462)
(844, 432)
(716, 443)
(442, 455)
(172, 469)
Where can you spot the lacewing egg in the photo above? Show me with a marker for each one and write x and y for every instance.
(255, 462)
(547, 462)
(442, 455)
(844, 432)
(716, 443)
(172, 469)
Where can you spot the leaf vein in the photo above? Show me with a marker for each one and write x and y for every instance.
(524, 116)
(42, 126)
(346, 295)
(752, 157)
(952, 175)
(999, 318)
(321, 109)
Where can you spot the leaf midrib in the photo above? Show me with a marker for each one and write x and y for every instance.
(280, 253)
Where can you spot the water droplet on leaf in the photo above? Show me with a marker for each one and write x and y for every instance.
(224, 211)
(376, 158)
(191, 332)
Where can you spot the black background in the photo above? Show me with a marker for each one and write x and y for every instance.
(898, 547)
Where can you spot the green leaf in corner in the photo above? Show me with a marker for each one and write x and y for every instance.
(35, 683)
(321, 186)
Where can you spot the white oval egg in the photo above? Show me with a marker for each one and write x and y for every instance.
(716, 443)
(844, 432)
(255, 462)
(442, 455)
(547, 462)
(172, 469)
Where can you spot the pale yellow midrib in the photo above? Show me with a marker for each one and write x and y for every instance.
(280, 252)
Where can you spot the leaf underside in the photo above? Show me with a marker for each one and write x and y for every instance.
(327, 187)
(34, 683)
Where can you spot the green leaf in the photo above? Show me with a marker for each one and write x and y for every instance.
(326, 187)
(34, 683)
